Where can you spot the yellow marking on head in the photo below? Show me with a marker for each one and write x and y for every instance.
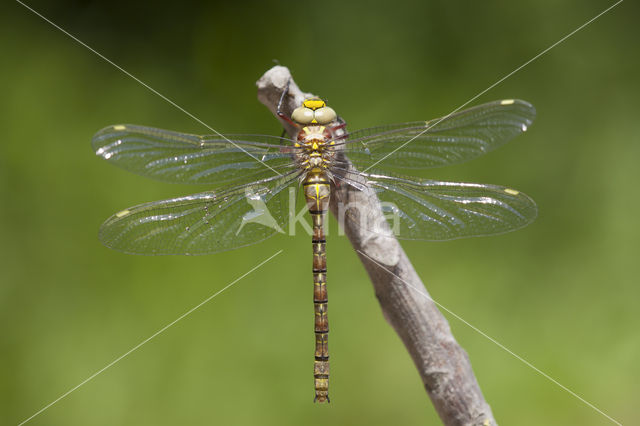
(511, 191)
(313, 104)
(507, 102)
(314, 121)
(122, 213)
(119, 127)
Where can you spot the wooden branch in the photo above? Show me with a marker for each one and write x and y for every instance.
(443, 365)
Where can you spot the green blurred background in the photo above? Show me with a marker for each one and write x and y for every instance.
(562, 293)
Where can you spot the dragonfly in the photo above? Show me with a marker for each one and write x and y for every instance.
(248, 176)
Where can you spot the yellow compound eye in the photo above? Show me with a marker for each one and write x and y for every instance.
(325, 115)
(302, 115)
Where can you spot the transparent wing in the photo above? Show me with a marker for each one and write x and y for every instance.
(452, 139)
(203, 223)
(184, 158)
(433, 210)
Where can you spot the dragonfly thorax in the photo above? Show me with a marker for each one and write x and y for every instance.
(317, 147)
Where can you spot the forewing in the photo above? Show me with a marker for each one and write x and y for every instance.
(433, 210)
(184, 158)
(448, 140)
(203, 223)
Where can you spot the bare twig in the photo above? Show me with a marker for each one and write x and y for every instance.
(443, 365)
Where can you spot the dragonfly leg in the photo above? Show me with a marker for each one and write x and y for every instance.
(279, 112)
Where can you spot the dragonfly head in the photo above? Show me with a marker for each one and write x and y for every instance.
(313, 111)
